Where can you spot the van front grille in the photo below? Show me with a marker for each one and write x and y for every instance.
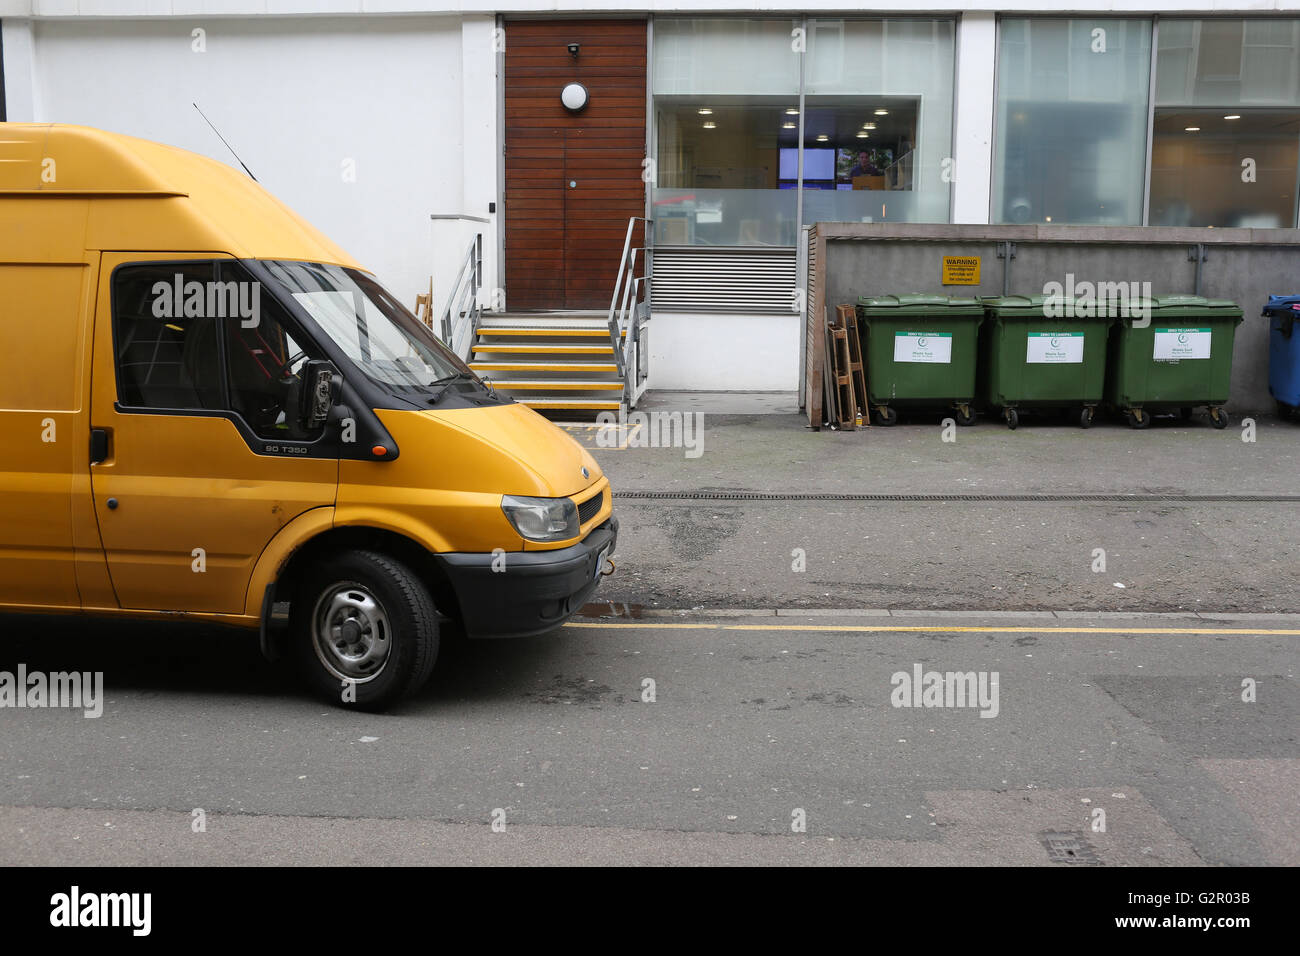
(590, 508)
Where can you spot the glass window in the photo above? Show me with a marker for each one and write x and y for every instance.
(877, 125)
(1226, 135)
(166, 337)
(878, 105)
(265, 360)
(1072, 108)
(382, 339)
(723, 131)
(1229, 62)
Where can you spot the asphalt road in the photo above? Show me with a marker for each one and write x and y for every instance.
(1164, 553)
(755, 720)
(773, 686)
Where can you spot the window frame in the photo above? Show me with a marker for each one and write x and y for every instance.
(321, 446)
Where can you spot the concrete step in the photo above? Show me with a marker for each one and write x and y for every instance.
(566, 330)
(557, 385)
(576, 319)
(571, 405)
(560, 364)
(508, 365)
(555, 349)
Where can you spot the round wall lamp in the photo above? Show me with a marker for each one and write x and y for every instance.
(574, 97)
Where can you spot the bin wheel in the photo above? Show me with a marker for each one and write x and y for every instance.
(966, 415)
(886, 416)
(1137, 418)
(1218, 418)
(1284, 411)
(1013, 418)
(1085, 417)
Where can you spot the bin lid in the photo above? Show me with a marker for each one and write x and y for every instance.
(919, 303)
(1183, 306)
(1282, 304)
(1057, 308)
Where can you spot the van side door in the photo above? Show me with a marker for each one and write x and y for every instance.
(44, 324)
(199, 455)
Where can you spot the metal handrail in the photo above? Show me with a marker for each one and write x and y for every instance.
(631, 299)
(460, 320)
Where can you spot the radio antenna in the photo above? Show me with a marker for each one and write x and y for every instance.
(227, 145)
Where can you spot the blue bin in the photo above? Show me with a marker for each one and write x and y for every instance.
(1283, 313)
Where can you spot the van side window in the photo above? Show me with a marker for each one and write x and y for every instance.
(166, 342)
(266, 360)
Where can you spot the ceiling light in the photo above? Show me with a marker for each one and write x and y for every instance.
(704, 111)
(710, 125)
(863, 135)
(868, 125)
(882, 112)
(788, 126)
(1191, 129)
(1233, 116)
(822, 138)
(792, 111)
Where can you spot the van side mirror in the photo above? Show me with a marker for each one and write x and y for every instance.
(322, 384)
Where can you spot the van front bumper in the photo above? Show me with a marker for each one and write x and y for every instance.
(529, 592)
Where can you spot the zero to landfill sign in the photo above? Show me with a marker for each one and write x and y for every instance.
(1046, 348)
(961, 270)
(1182, 344)
(933, 347)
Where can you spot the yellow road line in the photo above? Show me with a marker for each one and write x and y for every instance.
(930, 629)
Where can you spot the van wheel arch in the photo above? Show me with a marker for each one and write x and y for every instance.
(343, 540)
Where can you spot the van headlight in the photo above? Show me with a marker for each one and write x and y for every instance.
(542, 519)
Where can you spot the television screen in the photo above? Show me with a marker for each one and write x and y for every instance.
(817, 163)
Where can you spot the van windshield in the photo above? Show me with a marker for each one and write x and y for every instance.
(385, 342)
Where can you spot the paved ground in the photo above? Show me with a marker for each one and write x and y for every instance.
(774, 689)
(1165, 555)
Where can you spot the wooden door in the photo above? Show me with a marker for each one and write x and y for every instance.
(572, 180)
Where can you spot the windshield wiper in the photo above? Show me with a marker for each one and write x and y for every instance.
(447, 382)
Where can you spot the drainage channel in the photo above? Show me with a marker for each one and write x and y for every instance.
(960, 497)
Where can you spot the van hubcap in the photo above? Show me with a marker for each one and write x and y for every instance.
(350, 633)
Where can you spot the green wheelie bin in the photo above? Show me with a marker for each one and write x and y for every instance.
(1038, 351)
(1180, 359)
(920, 352)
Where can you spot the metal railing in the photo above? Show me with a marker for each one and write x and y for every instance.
(629, 310)
(460, 319)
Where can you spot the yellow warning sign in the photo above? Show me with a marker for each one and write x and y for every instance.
(961, 270)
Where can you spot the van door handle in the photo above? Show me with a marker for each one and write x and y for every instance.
(99, 445)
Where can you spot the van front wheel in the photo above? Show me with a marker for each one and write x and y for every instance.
(365, 630)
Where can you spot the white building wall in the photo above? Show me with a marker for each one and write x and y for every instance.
(709, 352)
(360, 126)
(972, 117)
(19, 66)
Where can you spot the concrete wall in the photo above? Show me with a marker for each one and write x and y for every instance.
(709, 352)
(1241, 265)
(365, 127)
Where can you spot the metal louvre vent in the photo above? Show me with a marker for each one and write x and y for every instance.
(724, 279)
(590, 508)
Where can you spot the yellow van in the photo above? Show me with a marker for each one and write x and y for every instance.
(208, 409)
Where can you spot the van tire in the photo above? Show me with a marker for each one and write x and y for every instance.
(388, 611)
